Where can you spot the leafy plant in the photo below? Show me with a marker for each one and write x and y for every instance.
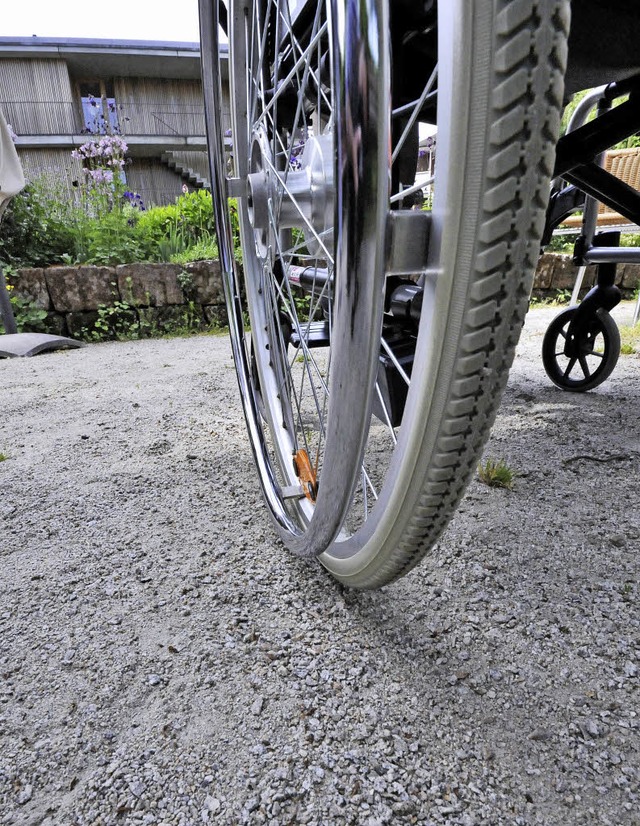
(627, 591)
(191, 321)
(195, 212)
(302, 301)
(117, 321)
(36, 230)
(112, 239)
(170, 230)
(29, 318)
(559, 298)
(562, 244)
(172, 244)
(496, 474)
(185, 280)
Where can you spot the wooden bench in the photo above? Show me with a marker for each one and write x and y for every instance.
(625, 165)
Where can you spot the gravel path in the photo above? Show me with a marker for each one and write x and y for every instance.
(164, 661)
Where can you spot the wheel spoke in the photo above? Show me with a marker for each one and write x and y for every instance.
(585, 367)
(396, 363)
(387, 417)
(291, 75)
(297, 47)
(302, 85)
(414, 115)
(400, 196)
(288, 301)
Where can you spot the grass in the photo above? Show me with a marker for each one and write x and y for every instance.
(3, 457)
(496, 474)
(190, 332)
(629, 340)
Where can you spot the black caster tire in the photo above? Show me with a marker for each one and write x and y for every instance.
(598, 349)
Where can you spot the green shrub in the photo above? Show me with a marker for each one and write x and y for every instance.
(153, 225)
(175, 242)
(36, 229)
(40, 229)
(170, 230)
(195, 213)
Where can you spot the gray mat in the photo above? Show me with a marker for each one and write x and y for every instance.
(30, 344)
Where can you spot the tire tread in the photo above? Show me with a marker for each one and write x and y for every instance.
(530, 56)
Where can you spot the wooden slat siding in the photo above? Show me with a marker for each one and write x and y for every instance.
(36, 97)
(157, 106)
(153, 181)
(54, 168)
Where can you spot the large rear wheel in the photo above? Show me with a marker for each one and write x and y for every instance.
(355, 301)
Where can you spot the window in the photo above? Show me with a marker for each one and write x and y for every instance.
(99, 111)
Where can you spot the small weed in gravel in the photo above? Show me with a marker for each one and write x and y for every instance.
(496, 474)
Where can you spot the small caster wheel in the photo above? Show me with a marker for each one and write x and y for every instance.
(582, 358)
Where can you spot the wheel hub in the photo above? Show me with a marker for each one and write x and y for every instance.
(299, 197)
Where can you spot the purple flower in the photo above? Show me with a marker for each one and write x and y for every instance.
(134, 199)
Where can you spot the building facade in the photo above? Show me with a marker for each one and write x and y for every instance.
(57, 94)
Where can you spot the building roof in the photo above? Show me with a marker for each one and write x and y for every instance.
(88, 57)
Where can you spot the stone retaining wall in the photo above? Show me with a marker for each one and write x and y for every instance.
(557, 272)
(158, 295)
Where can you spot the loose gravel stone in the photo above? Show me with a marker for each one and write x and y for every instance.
(164, 661)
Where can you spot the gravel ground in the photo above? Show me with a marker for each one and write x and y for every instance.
(163, 660)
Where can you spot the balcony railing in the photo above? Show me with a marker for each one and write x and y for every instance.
(31, 118)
